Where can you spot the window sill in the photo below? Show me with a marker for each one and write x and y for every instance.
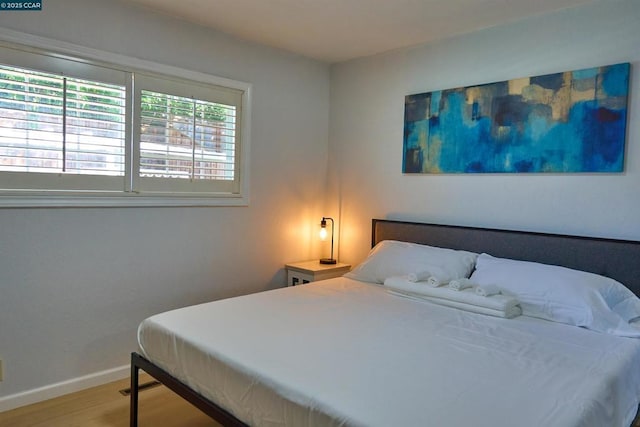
(118, 201)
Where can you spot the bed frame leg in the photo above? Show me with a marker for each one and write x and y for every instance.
(133, 405)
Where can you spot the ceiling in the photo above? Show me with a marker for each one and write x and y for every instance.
(339, 30)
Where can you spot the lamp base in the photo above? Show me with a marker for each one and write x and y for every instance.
(328, 261)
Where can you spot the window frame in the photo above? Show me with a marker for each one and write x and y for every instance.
(128, 197)
(23, 57)
(177, 87)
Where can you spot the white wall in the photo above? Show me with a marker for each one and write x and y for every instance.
(75, 283)
(366, 132)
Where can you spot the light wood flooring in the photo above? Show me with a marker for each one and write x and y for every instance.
(104, 406)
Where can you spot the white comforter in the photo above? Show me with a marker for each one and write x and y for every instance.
(342, 352)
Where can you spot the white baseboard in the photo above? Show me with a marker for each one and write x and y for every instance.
(65, 387)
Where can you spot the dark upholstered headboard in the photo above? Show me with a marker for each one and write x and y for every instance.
(618, 259)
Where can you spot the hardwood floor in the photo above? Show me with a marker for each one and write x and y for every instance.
(104, 406)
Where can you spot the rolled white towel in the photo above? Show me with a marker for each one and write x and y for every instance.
(487, 290)
(433, 281)
(419, 276)
(467, 299)
(460, 284)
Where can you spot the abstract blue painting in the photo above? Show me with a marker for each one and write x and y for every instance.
(566, 122)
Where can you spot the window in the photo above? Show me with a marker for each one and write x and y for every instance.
(186, 138)
(72, 127)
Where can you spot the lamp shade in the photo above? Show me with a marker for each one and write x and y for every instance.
(323, 236)
(323, 233)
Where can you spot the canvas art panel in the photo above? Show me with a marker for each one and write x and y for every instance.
(573, 121)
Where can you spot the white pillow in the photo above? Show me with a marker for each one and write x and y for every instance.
(392, 258)
(563, 295)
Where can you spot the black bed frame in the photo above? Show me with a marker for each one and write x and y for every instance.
(618, 259)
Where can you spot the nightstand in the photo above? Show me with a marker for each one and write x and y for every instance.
(299, 273)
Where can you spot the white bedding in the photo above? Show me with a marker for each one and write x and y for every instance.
(343, 352)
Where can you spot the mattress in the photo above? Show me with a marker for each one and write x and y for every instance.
(345, 353)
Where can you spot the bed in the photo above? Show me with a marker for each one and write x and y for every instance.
(347, 351)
